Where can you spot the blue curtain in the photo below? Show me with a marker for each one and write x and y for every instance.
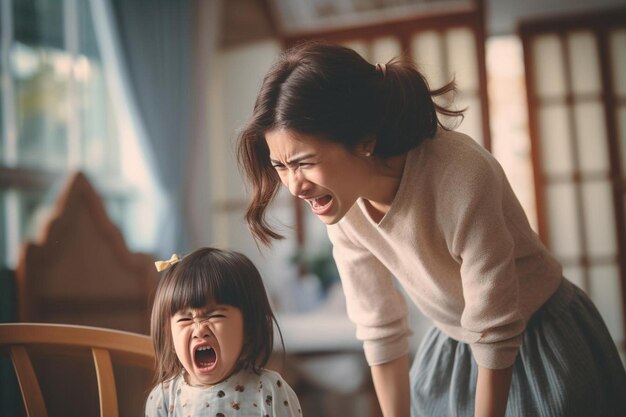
(155, 38)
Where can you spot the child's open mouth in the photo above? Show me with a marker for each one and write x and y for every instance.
(204, 357)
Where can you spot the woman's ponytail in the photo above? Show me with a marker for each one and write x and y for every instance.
(407, 108)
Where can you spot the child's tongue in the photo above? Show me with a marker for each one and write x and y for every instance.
(205, 357)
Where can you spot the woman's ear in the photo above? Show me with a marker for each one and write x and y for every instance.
(367, 146)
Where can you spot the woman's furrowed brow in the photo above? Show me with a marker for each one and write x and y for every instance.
(294, 160)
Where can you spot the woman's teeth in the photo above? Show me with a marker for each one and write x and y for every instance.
(320, 202)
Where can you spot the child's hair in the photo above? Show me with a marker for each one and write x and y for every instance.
(213, 276)
(330, 91)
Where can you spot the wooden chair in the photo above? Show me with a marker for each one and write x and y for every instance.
(80, 271)
(105, 346)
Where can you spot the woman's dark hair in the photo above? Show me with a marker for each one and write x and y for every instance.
(213, 276)
(330, 91)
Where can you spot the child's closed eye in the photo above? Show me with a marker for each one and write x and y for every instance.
(200, 319)
(183, 319)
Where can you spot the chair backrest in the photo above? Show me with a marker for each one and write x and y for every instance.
(105, 346)
(80, 271)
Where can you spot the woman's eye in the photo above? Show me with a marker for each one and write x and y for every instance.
(217, 316)
(183, 319)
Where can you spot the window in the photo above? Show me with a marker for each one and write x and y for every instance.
(57, 116)
(575, 79)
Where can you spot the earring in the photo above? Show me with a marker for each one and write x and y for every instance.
(368, 154)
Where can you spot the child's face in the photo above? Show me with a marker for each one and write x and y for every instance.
(208, 342)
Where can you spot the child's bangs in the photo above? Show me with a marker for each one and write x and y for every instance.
(197, 289)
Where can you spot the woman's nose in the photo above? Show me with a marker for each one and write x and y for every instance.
(298, 185)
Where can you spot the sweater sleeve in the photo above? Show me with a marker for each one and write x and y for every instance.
(373, 302)
(474, 222)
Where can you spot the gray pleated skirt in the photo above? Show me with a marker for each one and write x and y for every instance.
(568, 366)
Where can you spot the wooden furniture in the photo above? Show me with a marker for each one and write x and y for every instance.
(105, 346)
(81, 272)
(321, 350)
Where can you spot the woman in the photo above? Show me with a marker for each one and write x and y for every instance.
(404, 197)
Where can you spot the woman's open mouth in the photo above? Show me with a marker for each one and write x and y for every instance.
(321, 205)
(204, 358)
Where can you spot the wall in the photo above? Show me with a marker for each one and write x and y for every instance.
(236, 80)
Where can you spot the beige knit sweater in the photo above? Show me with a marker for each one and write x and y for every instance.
(458, 241)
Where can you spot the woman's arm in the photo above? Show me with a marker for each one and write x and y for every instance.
(492, 391)
(391, 381)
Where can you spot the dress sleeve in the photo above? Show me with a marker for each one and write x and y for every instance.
(473, 218)
(284, 401)
(373, 302)
(156, 404)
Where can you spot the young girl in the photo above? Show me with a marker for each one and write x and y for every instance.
(404, 197)
(212, 327)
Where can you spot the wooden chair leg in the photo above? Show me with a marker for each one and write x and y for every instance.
(33, 401)
(106, 383)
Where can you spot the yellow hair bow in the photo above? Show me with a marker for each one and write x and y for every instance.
(163, 265)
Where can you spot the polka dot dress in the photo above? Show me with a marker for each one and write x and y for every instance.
(242, 394)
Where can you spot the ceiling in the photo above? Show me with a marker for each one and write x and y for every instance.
(251, 20)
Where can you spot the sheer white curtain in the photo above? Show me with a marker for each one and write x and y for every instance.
(158, 53)
(137, 153)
